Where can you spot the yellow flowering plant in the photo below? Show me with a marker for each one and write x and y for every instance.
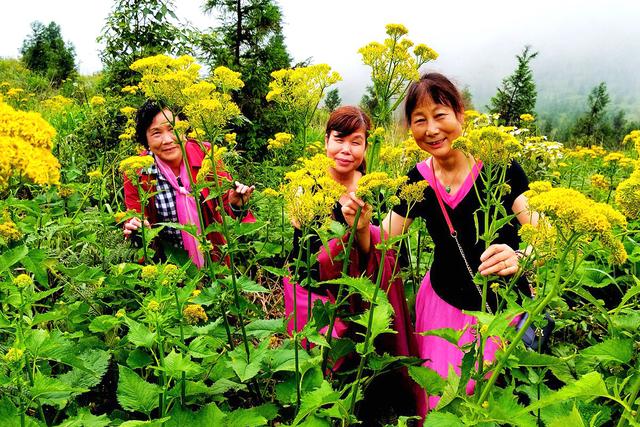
(393, 66)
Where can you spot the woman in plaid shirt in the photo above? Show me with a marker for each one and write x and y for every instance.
(168, 179)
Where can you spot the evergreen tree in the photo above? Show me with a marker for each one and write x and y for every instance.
(250, 41)
(138, 28)
(467, 98)
(332, 101)
(592, 125)
(46, 53)
(518, 92)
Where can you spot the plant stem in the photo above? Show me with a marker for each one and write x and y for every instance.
(183, 379)
(163, 375)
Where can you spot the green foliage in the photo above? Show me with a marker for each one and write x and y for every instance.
(333, 100)
(250, 41)
(135, 29)
(46, 53)
(517, 95)
(591, 124)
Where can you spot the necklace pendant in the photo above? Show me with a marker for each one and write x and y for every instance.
(447, 189)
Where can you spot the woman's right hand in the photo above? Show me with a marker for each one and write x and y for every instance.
(350, 208)
(133, 225)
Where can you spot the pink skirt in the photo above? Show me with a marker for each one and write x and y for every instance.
(432, 312)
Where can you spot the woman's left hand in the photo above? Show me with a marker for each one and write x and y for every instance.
(239, 196)
(499, 259)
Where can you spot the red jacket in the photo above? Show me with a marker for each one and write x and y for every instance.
(209, 212)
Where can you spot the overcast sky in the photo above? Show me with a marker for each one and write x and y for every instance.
(476, 40)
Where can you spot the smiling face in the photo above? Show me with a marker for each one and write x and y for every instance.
(162, 139)
(435, 127)
(347, 150)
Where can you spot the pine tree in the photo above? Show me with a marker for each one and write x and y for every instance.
(518, 92)
(592, 124)
(250, 41)
(333, 100)
(46, 53)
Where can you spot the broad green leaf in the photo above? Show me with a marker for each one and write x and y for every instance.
(223, 385)
(381, 323)
(442, 419)
(11, 417)
(533, 358)
(95, 364)
(448, 334)
(52, 390)
(244, 370)
(139, 334)
(505, 410)
(12, 256)
(252, 417)
(45, 345)
(104, 323)
(588, 386)
(151, 423)
(134, 393)
(428, 379)
(175, 364)
(450, 391)
(316, 399)
(85, 418)
(573, 419)
(262, 328)
(34, 262)
(210, 415)
(247, 285)
(619, 350)
(138, 359)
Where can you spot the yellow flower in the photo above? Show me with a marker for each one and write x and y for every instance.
(164, 78)
(279, 140)
(599, 181)
(227, 79)
(375, 183)
(196, 293)
(396, 30)
(96, 101)
(149, 272)
(491, 144)
(13, 355)
(65, 191)
(9, 230)
(95, 174)
(120, 313)
(207, 166)
(633, 137)
(270, 192)
(413, 193)
(132, 90)
(485, 404)
(57, 103)
(131, 165)
(194, 314)
(310, 192)
(230, 138)
(628, 195)
(425, 53)
(527, 117)
(128, 111)
(153, 306)
(23, 281)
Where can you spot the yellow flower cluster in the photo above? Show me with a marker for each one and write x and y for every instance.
(95, 174)
(149, 272)
(310, 192)
(25, 143)
(153, 306)
(628, 195)
(542, 237)
(301, 89)
(164, 78)
(491, 144)
(230, 138)
(526, 117)
(8, 229)
(23, 281)
(205, 104)
(13, 355)
(538, 155)
(207, 166)
(599, 181)
(633, 136)
(131, 90)
(57, 103)
(97, 101)
(374, 184)
(618, 159)
(413, 193)
(279, 140)
(592, 152)
(131, 165)
(129, 132)
(571, 212)
(194, 314)
(226, 79)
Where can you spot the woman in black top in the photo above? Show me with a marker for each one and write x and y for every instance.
(435, 113)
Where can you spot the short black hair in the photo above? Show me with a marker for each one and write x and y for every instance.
(437, 87)
(144, 117)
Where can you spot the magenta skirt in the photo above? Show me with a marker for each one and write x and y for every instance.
(432, 312)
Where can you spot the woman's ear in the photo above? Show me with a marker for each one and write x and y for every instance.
(326, 140)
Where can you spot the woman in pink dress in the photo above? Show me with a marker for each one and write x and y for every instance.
(434, 111)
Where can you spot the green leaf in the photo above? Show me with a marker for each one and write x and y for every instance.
(210, 415)
(316, 399)
(428, 379)
(103, 323)
(279, 272)
(262, 328)
(247, 285)
(252, 417)
(138, 359)
(175, 364)
(619, 350)
(448, 334)
(442, 419)
(12, 256)
(450, 391)
(588, 386)
(134, 393)
(381, 323)
(10, 416)
(139, 334)
(151, 423)
(85, 418)
(245, 371)
(52, 346)
(34, 263)
(573, 419)
(95, 364)
(52, 390)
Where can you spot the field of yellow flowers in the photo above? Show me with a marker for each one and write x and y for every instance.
(93, 332)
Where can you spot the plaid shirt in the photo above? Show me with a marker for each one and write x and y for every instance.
(165, 200)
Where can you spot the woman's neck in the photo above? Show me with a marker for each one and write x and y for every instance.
(348, 179)
(454, 162)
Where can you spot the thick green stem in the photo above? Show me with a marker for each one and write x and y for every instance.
(295, 321)
(183, 379)
(163, 375)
